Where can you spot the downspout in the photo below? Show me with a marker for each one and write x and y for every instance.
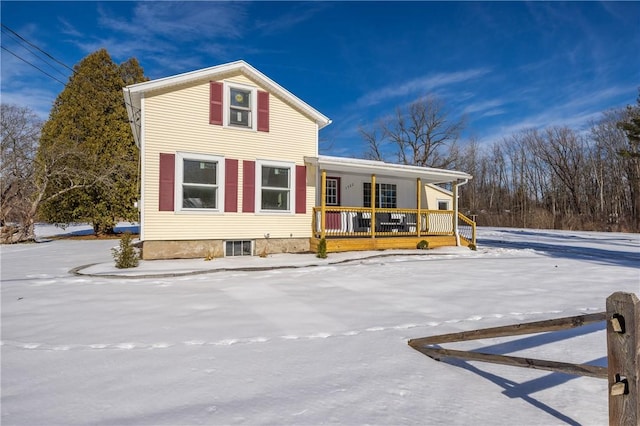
(455, 209)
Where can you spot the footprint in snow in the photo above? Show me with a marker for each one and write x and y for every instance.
(61, 348)
(320, 336)
(405, 326)
(98, 346)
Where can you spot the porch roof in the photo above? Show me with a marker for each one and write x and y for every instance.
(381, 168)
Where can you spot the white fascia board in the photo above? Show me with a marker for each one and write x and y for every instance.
(221, 70)
(355, 165)
(133, 104)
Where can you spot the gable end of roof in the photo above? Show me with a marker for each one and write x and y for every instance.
(134, 92)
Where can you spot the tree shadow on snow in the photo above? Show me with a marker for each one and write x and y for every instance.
(629, 258)
(524, 390)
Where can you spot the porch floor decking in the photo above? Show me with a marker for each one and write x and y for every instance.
(341, 244)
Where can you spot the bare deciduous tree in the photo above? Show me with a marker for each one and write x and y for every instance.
(423, 134)
(19, 134)
(26, 173)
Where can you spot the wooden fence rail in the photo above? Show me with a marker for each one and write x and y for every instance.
(623, 352)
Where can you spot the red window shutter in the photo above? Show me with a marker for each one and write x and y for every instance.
(215, 100)
(301, 189)
(167, 180)
(263, 111)
(248, 186)
(230, 185)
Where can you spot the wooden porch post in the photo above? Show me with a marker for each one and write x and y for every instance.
(373, 206)
(418, 204)
(323, 203)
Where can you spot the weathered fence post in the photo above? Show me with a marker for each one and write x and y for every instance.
(623, 353)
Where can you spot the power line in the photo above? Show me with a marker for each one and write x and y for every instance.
(36, 47)
(35, 53)
(39, 69)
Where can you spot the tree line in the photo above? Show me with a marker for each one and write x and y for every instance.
(552, 178)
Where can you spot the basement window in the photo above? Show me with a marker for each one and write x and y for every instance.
(238, 248)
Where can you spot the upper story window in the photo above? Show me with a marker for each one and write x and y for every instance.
(198, 181)
(240, 107)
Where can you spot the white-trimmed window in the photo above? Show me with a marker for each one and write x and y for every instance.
(241, 104)
(199, 182)
(386, 195)
(275, 186)
(332, 191)
(443, 205)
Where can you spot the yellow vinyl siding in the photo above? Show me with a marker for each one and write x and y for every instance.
(432, 195)
(177, 120)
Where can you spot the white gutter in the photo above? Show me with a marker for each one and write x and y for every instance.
(455, 209)
(356, 165)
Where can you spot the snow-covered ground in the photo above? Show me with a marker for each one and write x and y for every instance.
(324, 342)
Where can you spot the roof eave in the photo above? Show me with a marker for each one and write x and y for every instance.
(353, 165)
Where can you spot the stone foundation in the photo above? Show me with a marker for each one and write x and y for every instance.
(208, 249)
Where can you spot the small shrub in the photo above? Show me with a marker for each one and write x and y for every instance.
(472, 247)
(126, 256)
(423, 245)
(322, 249)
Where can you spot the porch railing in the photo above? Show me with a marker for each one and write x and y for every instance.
(357, 222)
(467, 228)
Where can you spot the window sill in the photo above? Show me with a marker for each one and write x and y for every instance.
(199, 211)
(242, 128)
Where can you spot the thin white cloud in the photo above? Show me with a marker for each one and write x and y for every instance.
(296, 14)
(39, 101)
(156, 30)
(577, 113)
(182, 21)
(420, 86)
(68, 29)
(489, 107)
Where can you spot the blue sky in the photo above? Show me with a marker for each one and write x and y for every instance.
(505, 66)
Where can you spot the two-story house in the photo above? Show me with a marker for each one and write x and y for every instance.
(230, 166)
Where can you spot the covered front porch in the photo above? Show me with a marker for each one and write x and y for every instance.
(396, 215)
(349, 228)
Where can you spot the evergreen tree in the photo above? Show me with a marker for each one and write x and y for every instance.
(631, 126)
(89, 116)
(631, 153)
